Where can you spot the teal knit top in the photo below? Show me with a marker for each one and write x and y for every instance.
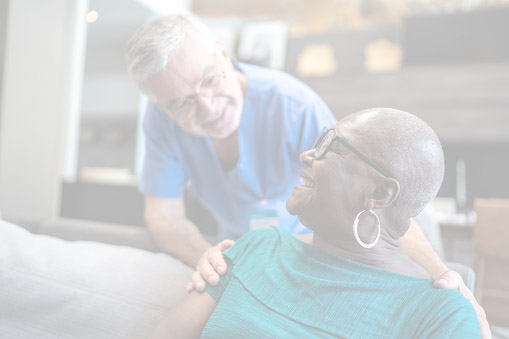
(277, 286)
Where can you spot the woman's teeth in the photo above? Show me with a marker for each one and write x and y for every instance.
(306, 182)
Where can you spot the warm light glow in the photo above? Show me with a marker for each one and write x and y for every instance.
(382, 56)
(92, 16)
(317, 60)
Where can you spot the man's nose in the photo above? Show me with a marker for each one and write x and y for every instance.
(307, 157)
(206, 104)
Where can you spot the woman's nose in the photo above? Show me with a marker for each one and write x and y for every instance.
(307, 157)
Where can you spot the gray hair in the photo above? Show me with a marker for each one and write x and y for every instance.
(409, 149)
(151, 45)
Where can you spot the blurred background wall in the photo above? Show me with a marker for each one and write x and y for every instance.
(3, 34)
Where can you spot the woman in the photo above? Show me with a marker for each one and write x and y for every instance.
(361, 183)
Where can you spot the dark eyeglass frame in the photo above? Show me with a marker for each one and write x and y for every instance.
(320, 154)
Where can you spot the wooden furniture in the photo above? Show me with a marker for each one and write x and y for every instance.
(491, 246)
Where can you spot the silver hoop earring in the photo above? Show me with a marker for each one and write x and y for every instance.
(356, 233)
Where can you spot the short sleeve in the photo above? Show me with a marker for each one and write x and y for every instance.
(162, 174)
(467, 327)
(216, 292)
(454, 318)
(233, 255)
(313, 116)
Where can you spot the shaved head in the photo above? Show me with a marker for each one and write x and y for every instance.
(407, 147)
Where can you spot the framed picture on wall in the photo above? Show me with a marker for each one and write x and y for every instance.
(263, 43)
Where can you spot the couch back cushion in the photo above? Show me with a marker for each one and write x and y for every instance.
(51, 288)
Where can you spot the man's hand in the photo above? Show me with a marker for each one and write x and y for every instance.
(210, 266)
(172, 231)
(452, 280)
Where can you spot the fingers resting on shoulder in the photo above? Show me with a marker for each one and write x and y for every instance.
(452, 280)
(210, 267)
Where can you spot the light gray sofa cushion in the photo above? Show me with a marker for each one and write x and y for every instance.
(51, 288)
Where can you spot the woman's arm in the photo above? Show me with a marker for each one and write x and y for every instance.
(187, 319)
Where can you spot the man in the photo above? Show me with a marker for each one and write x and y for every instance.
(235, 131)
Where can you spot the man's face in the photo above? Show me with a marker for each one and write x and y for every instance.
(198, 89)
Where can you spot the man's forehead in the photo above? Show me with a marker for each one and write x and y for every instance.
(180, 78)
(189, 64)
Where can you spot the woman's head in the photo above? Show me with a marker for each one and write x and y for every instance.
(381, 159)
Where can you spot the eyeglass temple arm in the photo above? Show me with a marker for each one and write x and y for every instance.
(363, 157)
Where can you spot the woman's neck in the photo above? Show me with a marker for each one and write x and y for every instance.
(386, 254)
(352, 250)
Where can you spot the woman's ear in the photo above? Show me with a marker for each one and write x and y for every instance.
(385, 194)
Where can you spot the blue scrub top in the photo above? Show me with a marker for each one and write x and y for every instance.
(281, 118)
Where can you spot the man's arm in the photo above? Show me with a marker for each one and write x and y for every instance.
(187, 319)
(172, 231)
(415, 244)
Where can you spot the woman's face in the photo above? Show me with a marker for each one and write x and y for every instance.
(334, 188)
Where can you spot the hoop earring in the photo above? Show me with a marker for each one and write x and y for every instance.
(356, 233)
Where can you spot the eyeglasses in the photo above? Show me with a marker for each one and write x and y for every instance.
(186, 108)
(329, 136)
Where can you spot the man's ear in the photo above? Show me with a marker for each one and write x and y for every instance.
(385, 193)
(222, 48)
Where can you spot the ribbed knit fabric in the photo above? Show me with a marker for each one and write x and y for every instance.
(279, 287)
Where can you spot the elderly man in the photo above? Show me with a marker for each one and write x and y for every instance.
(235, 132)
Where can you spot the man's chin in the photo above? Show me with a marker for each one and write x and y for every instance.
(225, 130)
(214, 133)
(221, 133)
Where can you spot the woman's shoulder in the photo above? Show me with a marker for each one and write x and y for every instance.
(451, 314)
(260, 242)
(261, 235)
